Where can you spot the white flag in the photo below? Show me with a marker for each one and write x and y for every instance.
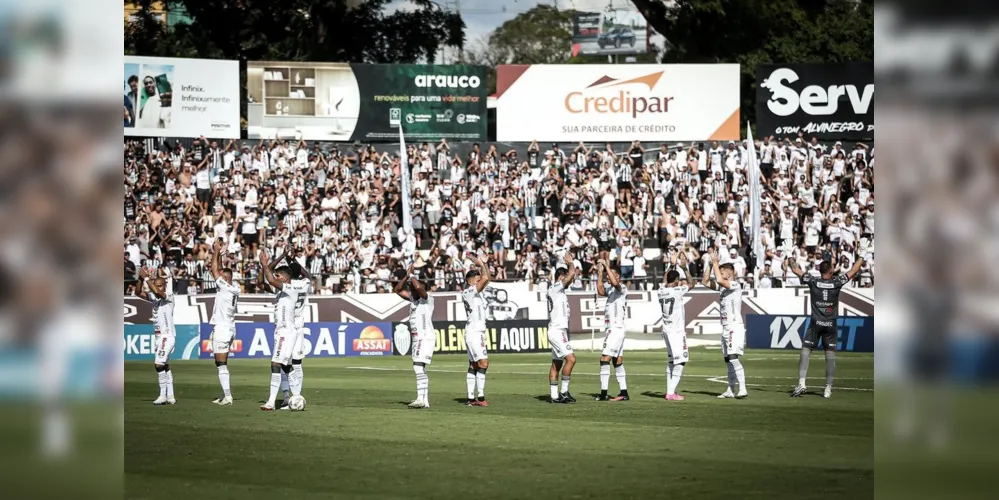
(755, 192)
(407, 220)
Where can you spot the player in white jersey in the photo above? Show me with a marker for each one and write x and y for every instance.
(674, 330)
(558, 333)
(421, 312)
(223, 321)
(475, 332)
(165, 335)
(285, 331)
(302, 280)
(615, 311)
(733, 329)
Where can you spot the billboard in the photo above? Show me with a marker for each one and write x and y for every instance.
(501, 337)
(366, 102)
(511, 301)
(166, 96)
(139, 342)
(856, 333)
(323, 340)
(604, 102)
(611, 32)
(828, 101)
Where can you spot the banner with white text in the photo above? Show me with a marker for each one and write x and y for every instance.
(320, 101)
(827, 101)
(501, 337)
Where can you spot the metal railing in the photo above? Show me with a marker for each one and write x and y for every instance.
(452, 282)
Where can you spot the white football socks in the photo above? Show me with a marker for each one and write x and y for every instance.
(604, 376)
(169, 383)
(275, 384)
(731, 376)
(622, 379)
(224, 380)
(295, 379)
(162, 379)
(480, 380)
(565, 384)
(740, 374)
(470, 383)
(422, 382)
(674, 380)
(553, 392)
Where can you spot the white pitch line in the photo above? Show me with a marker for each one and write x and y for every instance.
(708, 377)
(721, 381)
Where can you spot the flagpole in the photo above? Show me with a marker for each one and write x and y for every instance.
(755, 204)
(407, 219)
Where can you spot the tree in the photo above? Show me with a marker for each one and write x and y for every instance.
(301, 30)
(542, 35)
(753, 32)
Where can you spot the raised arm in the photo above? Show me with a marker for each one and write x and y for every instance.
(613, 278)
(571, 275)
(600, 279)
(153, 286)
(268, 272)
(305, 271)
(706, 279)
(485, 276)
(856, 268)
(798, 271)
(417, 287)
(400, 287)
(216, 257)
(718, 279)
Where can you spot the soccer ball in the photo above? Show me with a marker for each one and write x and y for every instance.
(297, 403)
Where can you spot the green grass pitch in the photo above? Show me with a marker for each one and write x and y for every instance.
(358, 440)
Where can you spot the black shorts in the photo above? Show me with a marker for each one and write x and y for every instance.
(250, 239)
(624, 185)
(767, 169)
(204, 195)
(828, 334)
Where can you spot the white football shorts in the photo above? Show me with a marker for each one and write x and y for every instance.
(558, 339)
(475, 342)
(284, 345)
(222, 336)
(676, 344)
(299, 351)
(423, 347)
(163, 345)
(733, 339)
(613, 342)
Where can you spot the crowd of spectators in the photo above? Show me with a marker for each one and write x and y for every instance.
(337, 208)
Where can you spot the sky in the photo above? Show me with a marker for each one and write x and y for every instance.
(483, 16)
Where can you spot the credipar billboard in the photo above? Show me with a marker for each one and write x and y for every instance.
(647, 102)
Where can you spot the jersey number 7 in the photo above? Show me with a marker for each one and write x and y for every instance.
(664, 302)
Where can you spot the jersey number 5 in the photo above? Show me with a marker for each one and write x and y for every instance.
(669, 302)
